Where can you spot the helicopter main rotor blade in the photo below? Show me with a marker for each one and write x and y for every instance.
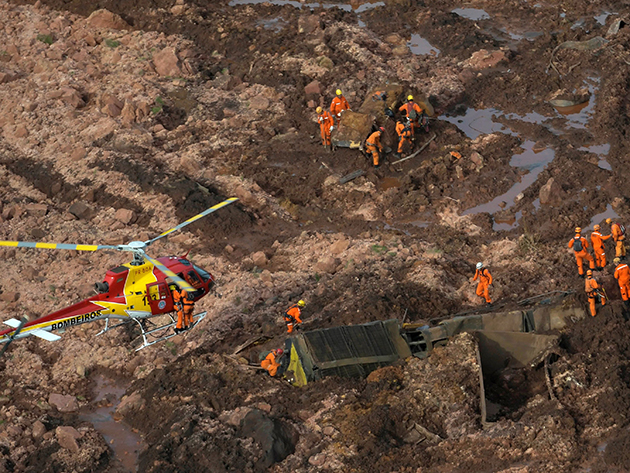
(18, 329)
(192, 219)
(174, 277)
(56, 246)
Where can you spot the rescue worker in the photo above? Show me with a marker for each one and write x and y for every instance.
(338, 105)
(373, 146)
(293, 316)
(413, 112)
(597, 239)
(270, 363)
(593, 292)
(485, 279)
(326, 122)
(622, 275)
(618, 233)
(580, 247)
(404, 136)
(185, 306)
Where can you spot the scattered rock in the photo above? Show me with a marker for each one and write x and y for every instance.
(477, 160)
(260, 259)
(36, 210)
(67, 437)
(80, 210)
(125, 216)
(259, 103)
(313, 88)
(39, 429)
(327, 264)
(78, 153)
(9, 296)
(484, 59)
(318, 459)
(550, 193)
(339, 246)
(105, 19)
(63, 403)
(167, 63)
(130, 403)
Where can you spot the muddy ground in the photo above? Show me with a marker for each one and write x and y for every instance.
(122, 130)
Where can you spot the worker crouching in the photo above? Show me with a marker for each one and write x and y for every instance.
(374, 147)
(485, 280)
(594, 292)
(272, 361)
(580, 249)
(293, 316)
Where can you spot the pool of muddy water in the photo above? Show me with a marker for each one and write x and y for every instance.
(124, 442)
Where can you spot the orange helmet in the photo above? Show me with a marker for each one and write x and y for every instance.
(596, 227)
(589, 272)
(578, 230)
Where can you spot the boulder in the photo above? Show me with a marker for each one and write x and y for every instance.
(167, 63)
(477, 160)
(39, 429)
(339, 246)
(327, 264)
(313, 88)
(128, 404)
(9, 296)
(80, 210)
(308, 24)
(111, 105)
(260, 259)
(550, 193)
(78, 153)
(67, 438)
(63, 403)
(484, 59)
(125, 216)
(20, 131)
(105, 19)
(72, 97)
(36, 210)
(259, 103)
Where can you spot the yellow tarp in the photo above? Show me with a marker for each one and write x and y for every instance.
(299, 377)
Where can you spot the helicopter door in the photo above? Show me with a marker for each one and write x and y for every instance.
(159, 299)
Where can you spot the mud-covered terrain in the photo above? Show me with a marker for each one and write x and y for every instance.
(117, 125)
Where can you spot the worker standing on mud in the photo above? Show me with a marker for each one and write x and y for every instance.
(580, 247)
(413, 112)
(338, 105)
(622, 275)
(374, 147)
(597, 239)
(618, 233)
(293, 316)
(325, 120)
(270, 363)
(485, 280)
(404, 137)
(594, 292)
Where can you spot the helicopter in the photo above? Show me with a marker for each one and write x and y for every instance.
(131, 292)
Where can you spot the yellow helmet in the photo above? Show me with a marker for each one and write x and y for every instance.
(609, 221)
(409, 97)
(596, 227)
(578, 230)
(319, 110)
(301, 303)
(617, 261)
(338, 92)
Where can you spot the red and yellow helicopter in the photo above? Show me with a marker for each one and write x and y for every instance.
(134, 291)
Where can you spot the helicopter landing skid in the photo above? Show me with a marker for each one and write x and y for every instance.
(146, 343)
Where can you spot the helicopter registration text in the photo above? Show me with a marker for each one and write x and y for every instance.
(78, 319)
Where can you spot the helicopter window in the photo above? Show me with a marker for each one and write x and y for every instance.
(119, 269)
(193, 278)
(120, 280)
(204, 274)
(184, 262)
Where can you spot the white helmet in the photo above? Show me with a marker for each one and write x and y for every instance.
(479, 265)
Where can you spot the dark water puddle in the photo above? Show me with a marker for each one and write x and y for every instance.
(275, 24)
(600, 217)
(389, 183)
(601, 151)
(181, 99)
(125, 443)
(578, 116)
(312, 5)
(506, 223)
(529, 160)
(420, 46)
(474, 14)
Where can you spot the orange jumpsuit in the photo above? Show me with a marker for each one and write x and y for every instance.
(406, 108)
(485, 279)
(374, 147)
(589, 286)
(293, 317)
(619, 237)
(270, 364)
(622, 275)
(185, 308)
(580, 255)
(326, 122)
(597, 239)
(404, 136)
(338, 105)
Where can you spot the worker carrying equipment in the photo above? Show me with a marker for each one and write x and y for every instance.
(293, 316)
(326, 125)
(618, 233)
(338, 105)
(271, 361)
(580, 247)
(185, 306)
(374, 147)
(597, 239)
(622, 275)
(485, 280)
(413, 112)
(404, 136)
(594, 292)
